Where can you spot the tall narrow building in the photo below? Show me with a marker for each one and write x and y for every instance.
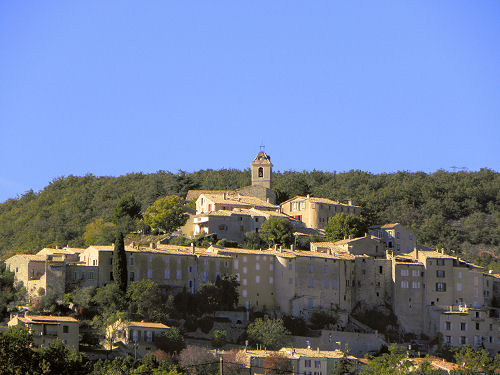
(262, 170)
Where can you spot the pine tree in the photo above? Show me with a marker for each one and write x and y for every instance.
(120, 263)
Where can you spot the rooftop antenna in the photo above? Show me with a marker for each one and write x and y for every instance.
(262, 147)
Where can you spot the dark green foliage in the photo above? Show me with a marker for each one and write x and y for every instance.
(295, 325)
(205, 324)
(322, 319)
(342, 226)
(381, 319)
(127, 212)
(7, 291)
(344, 366)
(277, 231)
(146, 302)
(227, 243)
(219, 339)
(459, 211)
(109, 298)
(268, 332)
(120, 274)
(170, 341)
(253, 241)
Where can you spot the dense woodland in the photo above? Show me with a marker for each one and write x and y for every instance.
(457, 211)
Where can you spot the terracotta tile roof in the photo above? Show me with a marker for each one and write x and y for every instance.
(46, 318)
(148, 325)
(385, 226)
(243, 211)
(194, 194)
(241, 200)
(319, 200)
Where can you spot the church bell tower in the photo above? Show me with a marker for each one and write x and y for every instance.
(262, 170)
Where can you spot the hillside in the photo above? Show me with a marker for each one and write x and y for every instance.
(459, 211)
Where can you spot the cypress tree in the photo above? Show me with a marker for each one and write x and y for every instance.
(120, 263)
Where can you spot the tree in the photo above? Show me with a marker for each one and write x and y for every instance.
(391, 363)
(277, 231)
(343, 366)
(109, 298)
(56, 358)
(253, 241)
(198, 361)
(320, 319)
(16, 356)
(146, 302)
(476, 361)
(127, 211)
(269, 332)
(342, 226)
(7, 291)
(219, 339)
(171, 341)
(277, 364)
(166, 213)
(227, 291)
(99, 232)
(120, 274)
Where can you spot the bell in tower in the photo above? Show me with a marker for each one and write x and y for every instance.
(262, 170)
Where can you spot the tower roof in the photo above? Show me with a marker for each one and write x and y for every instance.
(262, 158)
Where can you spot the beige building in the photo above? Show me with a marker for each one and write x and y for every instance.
(395, 236)
(303, 361)
(231, 201)
(314, 212)
(366, 245)
(137, 337)
(46, 329)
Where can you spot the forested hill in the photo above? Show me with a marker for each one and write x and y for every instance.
(459, 211)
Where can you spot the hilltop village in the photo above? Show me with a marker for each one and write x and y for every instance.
(429, 294)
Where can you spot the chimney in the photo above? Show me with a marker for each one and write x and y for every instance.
(133, 244)
(351, 236)
(152, 245)
(267, 200)
(192, 247)
(349, 202)
(224, 195)
(308, 196)
(57, 247)
(317, 349)
(292, 247)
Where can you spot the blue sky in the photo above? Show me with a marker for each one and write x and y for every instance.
(111, 87)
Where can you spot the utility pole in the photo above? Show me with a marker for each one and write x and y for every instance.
(221, 367)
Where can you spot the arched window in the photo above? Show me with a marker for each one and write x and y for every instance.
(261, 172)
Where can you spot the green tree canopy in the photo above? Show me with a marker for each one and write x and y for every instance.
(166, 213)
(277, 231)
(146, 302)
(268, 332)
(342, 226)
(171, 341)
(99, 232)
(126, 213)
(120, 273)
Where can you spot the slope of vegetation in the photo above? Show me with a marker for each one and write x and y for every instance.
(457, 211)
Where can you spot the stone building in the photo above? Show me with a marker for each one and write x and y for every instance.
(46, 329)
(395, 236)
(315, 212)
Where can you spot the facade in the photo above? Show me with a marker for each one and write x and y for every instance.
(231, 201)
(315, 212)
(395, 236)
(46, 329)
(367, 245)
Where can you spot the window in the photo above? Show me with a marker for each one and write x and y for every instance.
(217, 263)
(271, 280)
(289, 266)
(310, 304)
(415, 284)
(379, 269)
(310, 282)
(179, 275)
(235, 264)
(167, 259)
(325, 268)
(190, 269)
(271, 267)
(150, 258)
(440, 287)
(150, 274)
(317, 364)
(257, 266)
(440, 273)
(415, 273)
(149, 336)
(244, 293)
(463, 340)
(459, 287)
(166, 274)
(404, 272)
(397, 235)
(404, 284)
(75, 275)
(131, 261)
(307, 363)
(111, 276)
(477, 326)
(178, 260)
(190, 283)
(459, 275)
(447, 339)
(290, 281)
(447, 326)
(222, 227)
(91, 275)
(310, 267)
(325, 283)
(111, 260)
(257, 279)
(244, 270)
(65, 329)
(244, 259)
(463, 326)
(132, 276)
(244, 282)
(261, 172)
(439, 262)
(205, 276)
(334, 284)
